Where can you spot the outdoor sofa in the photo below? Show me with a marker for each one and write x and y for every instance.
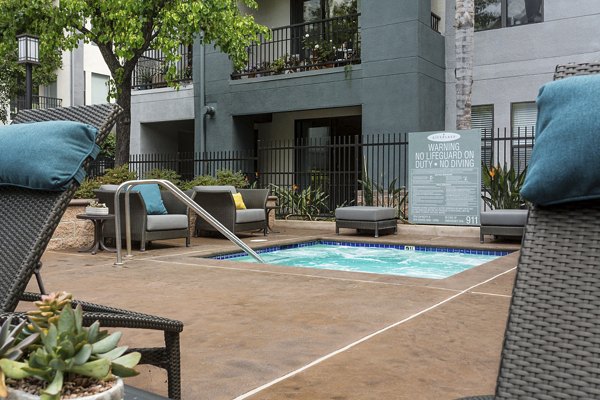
(510, 223)
(145, 226)
(220, 203)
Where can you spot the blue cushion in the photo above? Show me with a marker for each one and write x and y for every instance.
(564, 164)
(45, 155)
(151, 194)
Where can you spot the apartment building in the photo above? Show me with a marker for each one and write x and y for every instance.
(334, 68)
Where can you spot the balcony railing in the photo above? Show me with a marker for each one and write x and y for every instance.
(37, 102)
(151, 69)
(435, 22)
(320, 44)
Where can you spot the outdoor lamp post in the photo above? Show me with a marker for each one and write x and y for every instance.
(29, 55)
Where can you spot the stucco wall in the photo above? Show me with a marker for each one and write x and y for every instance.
(512, 63)
(158, 105)
(399, 85)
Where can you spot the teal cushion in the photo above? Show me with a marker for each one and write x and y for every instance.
(151, 194)
(45, 155)
(564, 164)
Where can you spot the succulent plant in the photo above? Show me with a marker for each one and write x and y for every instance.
(48, 310)
(68, 348)
(12, 345)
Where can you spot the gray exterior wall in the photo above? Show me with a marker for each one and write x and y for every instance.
(510, 64)
(151, 108)
(399, 85)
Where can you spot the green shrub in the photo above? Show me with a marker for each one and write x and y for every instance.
(86, 189)
(166, 174)
(202, 180)
(307, 203)
(112, 176)
(228, 177)
(108, 147)
(502, 187)
(224, 177)
(117, 175)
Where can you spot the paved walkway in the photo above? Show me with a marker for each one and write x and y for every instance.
(270, 332)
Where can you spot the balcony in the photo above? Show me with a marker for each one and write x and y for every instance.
(314, 45)
(37, 102)
(150, 72)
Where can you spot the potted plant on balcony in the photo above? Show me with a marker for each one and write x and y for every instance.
(54, 355)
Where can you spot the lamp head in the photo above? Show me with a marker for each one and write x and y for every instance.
(29, 49)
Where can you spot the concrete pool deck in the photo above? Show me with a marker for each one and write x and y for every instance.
(271, 332)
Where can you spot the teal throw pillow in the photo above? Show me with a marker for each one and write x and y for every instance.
(45, 155)
(564, 165)
(151, 194)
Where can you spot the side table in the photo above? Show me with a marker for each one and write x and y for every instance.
(98, 221)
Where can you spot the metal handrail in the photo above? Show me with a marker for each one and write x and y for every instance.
(127, 186)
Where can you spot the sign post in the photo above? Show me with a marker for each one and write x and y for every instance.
(444, 177)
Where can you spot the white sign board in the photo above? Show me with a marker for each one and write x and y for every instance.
(444, 177)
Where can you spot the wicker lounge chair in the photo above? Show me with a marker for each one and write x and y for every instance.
(552, 336)
(27, 222)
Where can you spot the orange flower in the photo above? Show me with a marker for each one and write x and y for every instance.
(492, 172)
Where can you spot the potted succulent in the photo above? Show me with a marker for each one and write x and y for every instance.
(95, 208)
(54, 355)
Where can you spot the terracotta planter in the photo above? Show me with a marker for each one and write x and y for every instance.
(117, 392)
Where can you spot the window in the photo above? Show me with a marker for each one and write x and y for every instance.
(491, 14)
(99, 88)
(523, 121)
(315, 10)
(482, 117)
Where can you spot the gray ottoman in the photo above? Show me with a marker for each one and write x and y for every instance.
(366, 217)
(503, 223)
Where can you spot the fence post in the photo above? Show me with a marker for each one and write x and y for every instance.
(356, 166)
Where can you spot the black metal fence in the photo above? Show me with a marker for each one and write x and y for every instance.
(37, 102)
(326, 173)
(190, 165)
(301, 47)
(150, 71)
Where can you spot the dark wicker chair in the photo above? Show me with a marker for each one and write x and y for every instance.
(140, 220)
(552, 341)
(28, 219)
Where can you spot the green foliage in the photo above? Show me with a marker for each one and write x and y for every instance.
(112, 176)
(322, 49)
(375, 194)
(123, 30)
(34, 17)
(86, 189)
(279, 64)
(228, 177)
(12, 346)
(107, 149)
(308, 203)
(501, 187)
(67, 349)
(166, 174)
(201, 180)
(117, 175)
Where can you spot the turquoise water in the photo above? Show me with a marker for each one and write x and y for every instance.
(378, 260)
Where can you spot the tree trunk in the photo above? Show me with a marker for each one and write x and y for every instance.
(124, 123)
(464, 21)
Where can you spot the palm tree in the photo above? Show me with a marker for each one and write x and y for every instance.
(464, 24)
